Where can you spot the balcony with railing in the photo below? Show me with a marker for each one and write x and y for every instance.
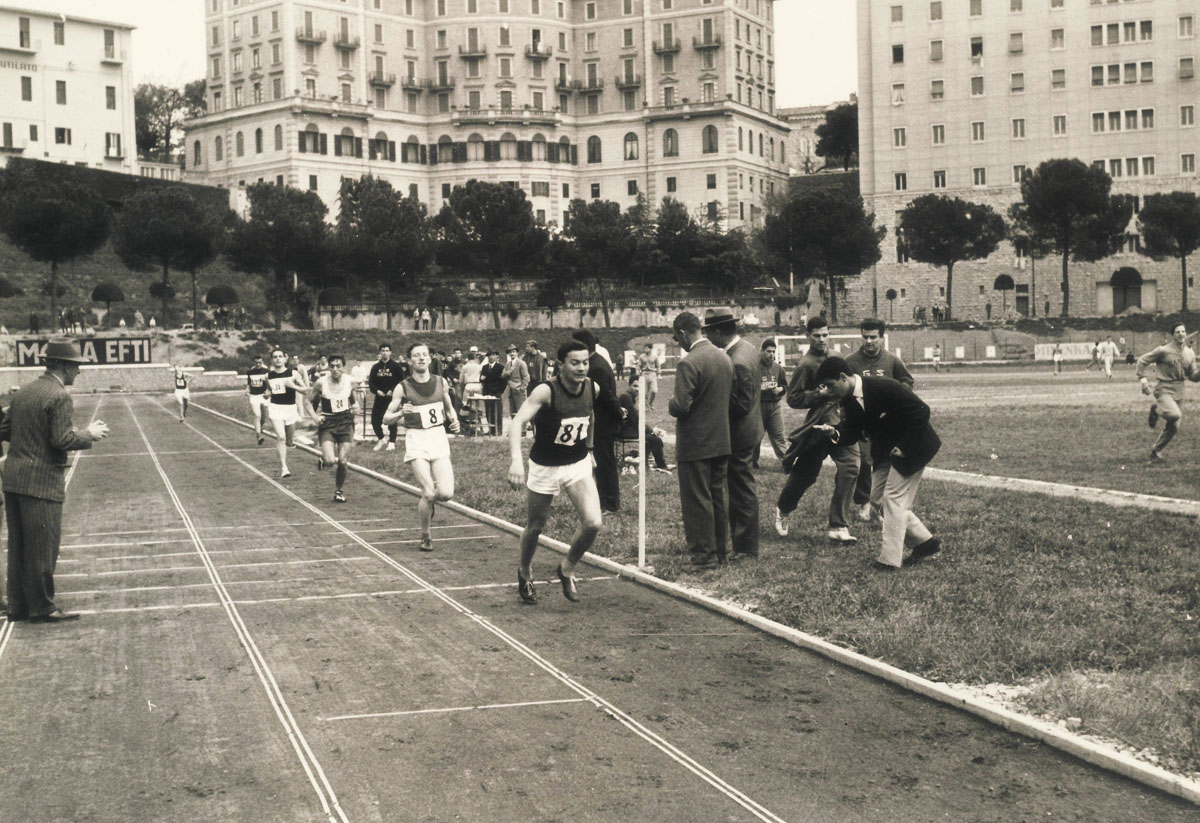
(383, 80)
(24, 45)
(706, 43)
(630, 81)
(333, 106)
(686, 110)
(413, 83)
(311, 36)
(475, 51)
(349, 42)
(667, 46)
(565, 84)
(538, 51)
(113, 56)
(436, 84)
(12, 148)
(594, 84)
(494, 115)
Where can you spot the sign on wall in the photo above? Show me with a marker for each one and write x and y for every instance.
(99, 350)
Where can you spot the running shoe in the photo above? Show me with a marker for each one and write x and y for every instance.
(525, 590)
(1155, 457)
(841, 535)
(568, 585)
(426, 544)
(391, 447)
(261, 440)
(320, 463)
(380, 444)
(781, 523)
(1152, 419)
(284, 474)
(338, 497)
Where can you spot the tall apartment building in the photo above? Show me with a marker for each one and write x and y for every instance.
(66, 91)
(963, 97)
(566, 98)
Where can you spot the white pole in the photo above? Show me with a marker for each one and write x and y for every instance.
(642, 463)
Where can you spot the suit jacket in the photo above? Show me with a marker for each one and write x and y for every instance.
(491, 376)
(703, 385)
(745, 398)
(608, 411)
(892, 416)
(39, 429)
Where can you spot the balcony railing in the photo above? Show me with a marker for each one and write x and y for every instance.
(701, 44)
(667, 47)
(434, 84)
(311, 36)
(23, 46)
(595, 84)
(349, 42)
(568, 85)
(633, 81)
(475, 52)
(113, 56)
(12, 148)
(687, 110)
(382, 79)
(538, 51)
(325, 105)
(413, 83)
(497, 116)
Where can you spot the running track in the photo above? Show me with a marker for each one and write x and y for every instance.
(251, 651)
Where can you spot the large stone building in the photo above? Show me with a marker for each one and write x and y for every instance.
(66, 92)
(567, 98)
(962, 98)
(802, 138)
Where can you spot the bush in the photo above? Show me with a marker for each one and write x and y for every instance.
(512, 312)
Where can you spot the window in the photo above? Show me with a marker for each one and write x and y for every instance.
(897, 14)
(593, 149)
(1018, 128)
(276, 54)
(631, 187)
(1016, 5)
(1060, 125)
(939, 134)
(590, 11)
(935, 51)
(976, 8)
(240, 144)
(1098, 122)
(1147, 118)
(60, 33)
(196, 153)
(62, 136)
(1186, 26)
(1187, 163)
(1147, 75)
(1058, 79)
(897, 55)
(1016, 82)
(977, 131)
(977, 47)
(1018, 174)
(1057, 4)
(112, 144)
(977, 85)
(671, 185)
(595, 191)
(1016, 42)
(1148, 166)
(708, 140)
(711, 181)
(979, 176)
(1146, 30)
(939, 179)
(937, 89)
(539, 188)
(1187, 115)
(935, 10)
(901, 181)
(1058, 39)
(670, 143)
(899, 138)
(1187, 68)
(279, 138)
(60, 92)
(27, 90)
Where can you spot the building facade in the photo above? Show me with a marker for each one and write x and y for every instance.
(802, 123)
(66, 90)
(569, 99)
(962, 98)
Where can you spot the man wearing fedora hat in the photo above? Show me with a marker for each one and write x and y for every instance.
(745, 429)
(39, 430)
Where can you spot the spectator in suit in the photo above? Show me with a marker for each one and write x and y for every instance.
(700, 406)
(535, 361)
(774, 387)
(493, 381)
(607, 425)
(896, 422)
(745, 429)
(39, 429)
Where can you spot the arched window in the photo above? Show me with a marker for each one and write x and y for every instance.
(539, 148)
(196, 153)
(475, 147)
(218, 150)
(564, 150)
(593, 149)
(508, 146)
(412, 150)
(772, 148)
(760, 145)
(750, 140)
(258, 141)
(279, 138)
(445, 149)
(741, 141)
(670, 143)
(709, 139)
(240, 145)
(631, 146)
(346, 138)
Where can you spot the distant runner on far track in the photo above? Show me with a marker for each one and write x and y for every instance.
(562, 413)
(256, 390)
(282, 386)
(333, 394)
(422, 400)
(182, 393)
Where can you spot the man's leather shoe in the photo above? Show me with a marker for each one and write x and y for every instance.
(738, 557)
(923, 550)
(883, 567)
(16, 618)
(700, 568)
(58, 616)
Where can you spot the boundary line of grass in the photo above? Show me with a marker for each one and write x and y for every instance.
(1052, 735)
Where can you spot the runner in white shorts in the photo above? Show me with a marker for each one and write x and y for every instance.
(256, 390)
(282, 385)
(560, 460)
(333, 396)
(182, 395)
(423, 402)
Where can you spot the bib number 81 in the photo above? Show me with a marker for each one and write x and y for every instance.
(571, 431)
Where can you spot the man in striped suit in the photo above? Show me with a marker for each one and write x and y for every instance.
(39, 430)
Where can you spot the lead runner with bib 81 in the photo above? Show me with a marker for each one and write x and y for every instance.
(560, 460)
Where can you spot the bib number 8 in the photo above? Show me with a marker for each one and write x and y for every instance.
(431, 415)
(571, 431)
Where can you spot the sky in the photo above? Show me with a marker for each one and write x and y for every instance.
(814, 42)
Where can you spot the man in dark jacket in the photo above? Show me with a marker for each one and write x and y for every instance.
(745, 429)
(897, 423)
(382, 380)
(491, 377)
(700, 406)
(608, 425)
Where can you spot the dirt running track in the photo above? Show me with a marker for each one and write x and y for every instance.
(250, 651)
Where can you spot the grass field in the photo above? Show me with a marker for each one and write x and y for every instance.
(1091, 609)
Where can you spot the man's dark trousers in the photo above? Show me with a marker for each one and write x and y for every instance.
(704, 509)
(378, 406)
(608, 474)
(34, 535)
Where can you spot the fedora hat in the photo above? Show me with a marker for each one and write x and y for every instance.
(65, 350)
(717, 317)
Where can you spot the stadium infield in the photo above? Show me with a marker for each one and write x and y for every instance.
(251, 651)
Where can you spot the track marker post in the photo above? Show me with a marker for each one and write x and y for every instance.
(642, 464)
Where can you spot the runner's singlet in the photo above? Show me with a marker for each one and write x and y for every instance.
(281, 394)
(180, 381)
(562, 431)
(256, 379)
(335, 399)
(429, 403)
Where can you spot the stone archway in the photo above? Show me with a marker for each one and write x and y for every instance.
(1126, 285)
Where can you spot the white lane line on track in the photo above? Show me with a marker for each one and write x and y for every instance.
(208, 452)
(6, 630)
(254, 529)
(167, 569)
(452, 709)
(215, 528)
(304, 598)
(121, 557)
(655, 740)
(312, 768)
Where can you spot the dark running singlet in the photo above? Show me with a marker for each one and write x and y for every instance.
(335, 400)
(256, 379)
(429, 402)
(180, 382)
(562, 431)
(281, 394)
